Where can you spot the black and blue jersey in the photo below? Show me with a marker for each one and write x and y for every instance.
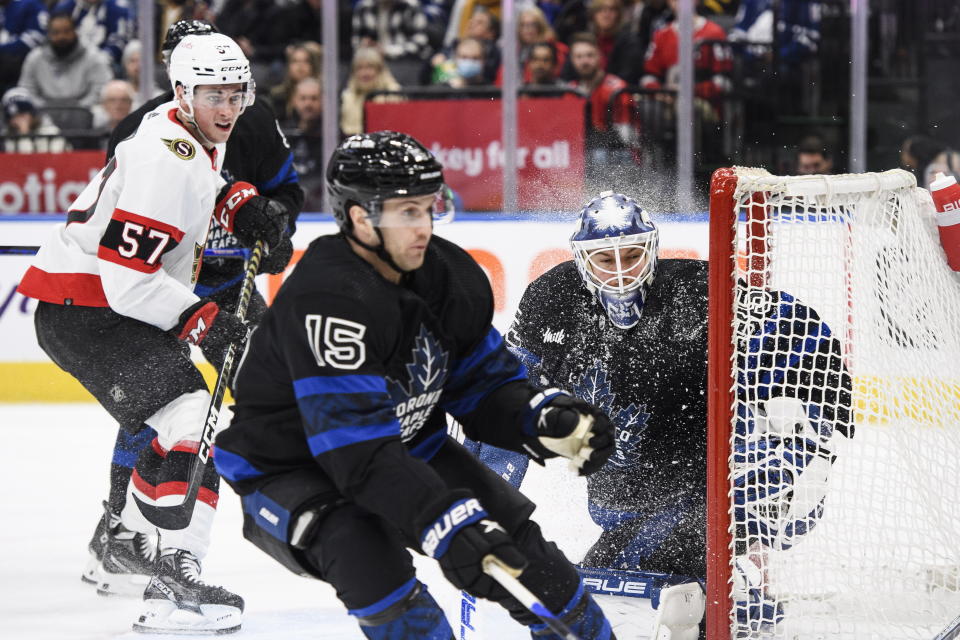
(353, 375)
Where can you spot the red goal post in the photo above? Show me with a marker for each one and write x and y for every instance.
(879, 554)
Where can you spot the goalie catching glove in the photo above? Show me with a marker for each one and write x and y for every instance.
(562, 425)
(242, 211)
(458, 533)
(205, 322)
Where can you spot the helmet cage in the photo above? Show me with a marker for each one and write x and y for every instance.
(618, 280)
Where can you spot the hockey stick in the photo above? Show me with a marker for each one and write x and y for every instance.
(493, 567)
(178, 516)
(29, 250)
(951, 632)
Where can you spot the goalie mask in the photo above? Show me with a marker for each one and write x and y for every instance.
(615, 249)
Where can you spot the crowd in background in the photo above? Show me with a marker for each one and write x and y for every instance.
(70, 66)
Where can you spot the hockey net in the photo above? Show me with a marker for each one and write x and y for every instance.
(866, 544)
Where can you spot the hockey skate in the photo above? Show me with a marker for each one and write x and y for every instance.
(176, 601)
(121, 561)
(91, 573)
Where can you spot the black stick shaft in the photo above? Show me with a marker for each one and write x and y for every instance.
(178, 516)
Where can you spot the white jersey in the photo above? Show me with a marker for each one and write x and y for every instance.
(134, 238)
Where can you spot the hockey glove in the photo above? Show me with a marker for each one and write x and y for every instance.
(203, 322)
(242, 211)
(569, 427)
(278, 258)
(458, 533)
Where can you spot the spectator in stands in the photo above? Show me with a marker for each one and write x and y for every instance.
(466, 68)
(926, 157)
(301, 21)
(304, 60)
(599, 87)
(461, 12)
(101, 24)
(26, 130)
(813, 157)
(398, 29)
(368, 73)
(797, 28)
(543, 66)
(796, 36)
(711, 61)
(22, 26)
(64, 72)
(483, 27)
(251, 23)
(130, 70)
(533, 28)
(644, 18)
(620, 49)
(116, 102)
(305, 132)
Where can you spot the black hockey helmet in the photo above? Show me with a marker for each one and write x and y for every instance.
(180, 30)
(368, 168)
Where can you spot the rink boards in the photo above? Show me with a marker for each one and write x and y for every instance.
(512, 249)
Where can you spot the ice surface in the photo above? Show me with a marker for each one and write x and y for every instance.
(54, 465)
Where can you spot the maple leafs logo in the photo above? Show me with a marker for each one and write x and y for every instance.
(630, 421)
(594, 388)
(427, 369)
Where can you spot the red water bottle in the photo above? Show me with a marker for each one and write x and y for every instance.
(946, 197)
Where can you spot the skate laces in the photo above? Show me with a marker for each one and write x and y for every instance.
(188, 567)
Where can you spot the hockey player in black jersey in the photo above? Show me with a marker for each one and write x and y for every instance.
(338, 446)
(257, 153)
(626, 331)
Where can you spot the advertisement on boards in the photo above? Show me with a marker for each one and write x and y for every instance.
(464, 135)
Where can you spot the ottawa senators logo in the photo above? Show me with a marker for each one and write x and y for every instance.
(181, 148)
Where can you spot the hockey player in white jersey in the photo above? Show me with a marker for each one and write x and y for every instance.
(117, 309)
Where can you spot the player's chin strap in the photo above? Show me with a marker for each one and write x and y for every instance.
(204, 140)
(379, 250)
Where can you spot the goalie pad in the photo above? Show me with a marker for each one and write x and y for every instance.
(781, 472)
(677, 602)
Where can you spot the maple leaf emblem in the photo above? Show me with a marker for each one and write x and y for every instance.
(630, 423)
(594, 388)
(427, 368)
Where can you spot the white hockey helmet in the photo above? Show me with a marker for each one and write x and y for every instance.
(210, 59)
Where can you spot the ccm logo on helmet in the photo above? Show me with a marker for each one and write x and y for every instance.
(241, 68)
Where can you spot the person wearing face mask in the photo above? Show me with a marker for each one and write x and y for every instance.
(468, 64)
(65, 72)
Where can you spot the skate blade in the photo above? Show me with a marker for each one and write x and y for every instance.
(92, 573)
(163, 616)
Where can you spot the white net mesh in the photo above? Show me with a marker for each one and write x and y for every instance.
(846, 426)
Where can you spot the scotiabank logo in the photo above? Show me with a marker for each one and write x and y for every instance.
(40, 192)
